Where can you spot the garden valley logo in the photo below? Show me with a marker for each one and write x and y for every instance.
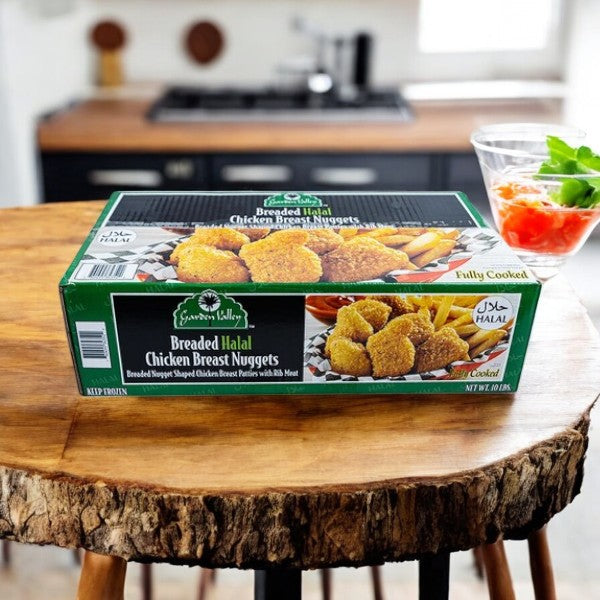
(292, 200)
(209, 310)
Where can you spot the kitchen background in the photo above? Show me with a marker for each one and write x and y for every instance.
(46, 60)
(461, 64)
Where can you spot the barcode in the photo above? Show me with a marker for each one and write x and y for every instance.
(106, 271)
(102, 271)
(93, 344)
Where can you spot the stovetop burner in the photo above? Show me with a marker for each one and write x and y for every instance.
(195, 104)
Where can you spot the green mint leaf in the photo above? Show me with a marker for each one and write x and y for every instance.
(564, 160)
(586, 157)
(559, 150)
(572, 192)
(594, 199)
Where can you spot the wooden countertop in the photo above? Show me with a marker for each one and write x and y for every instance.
(120, 125)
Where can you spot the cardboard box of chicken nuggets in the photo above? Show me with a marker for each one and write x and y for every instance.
(325, 292)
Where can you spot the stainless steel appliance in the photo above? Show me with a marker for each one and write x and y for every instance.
(189, 104)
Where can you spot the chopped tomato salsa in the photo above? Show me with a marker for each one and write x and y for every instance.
(529, 223)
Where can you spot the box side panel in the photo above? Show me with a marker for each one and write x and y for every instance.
(149, 339)
(523, 327)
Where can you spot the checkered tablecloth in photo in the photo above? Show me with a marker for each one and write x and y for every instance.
(152, 260)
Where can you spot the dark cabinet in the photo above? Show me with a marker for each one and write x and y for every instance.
(91, 176)
(86, 176)
(462, 173)
(302, 171)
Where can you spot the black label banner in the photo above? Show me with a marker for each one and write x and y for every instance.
(153, 350)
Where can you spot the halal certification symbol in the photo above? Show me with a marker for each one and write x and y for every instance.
(209, 301)
(493, 312)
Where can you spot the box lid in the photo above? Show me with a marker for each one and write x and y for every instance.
(291, 237)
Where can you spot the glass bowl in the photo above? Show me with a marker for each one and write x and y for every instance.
(544, 234)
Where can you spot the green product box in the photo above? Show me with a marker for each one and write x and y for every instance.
(198, 293)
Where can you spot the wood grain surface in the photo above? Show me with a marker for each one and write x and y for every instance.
(120, 124)
(256, 481)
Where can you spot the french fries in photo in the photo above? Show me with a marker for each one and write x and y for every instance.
(442, 311)
(455, 311)
(508, 325)
(452, 234)
(462, 320)
(459, 311)
(396, 239)
(424, 301)
(381, 232)
(414, 231)
(443, 248)
(495, 335)
(483, 335)
(466, 330)
(468, 301)
(421, 244)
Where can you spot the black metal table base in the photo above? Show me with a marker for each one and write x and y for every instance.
(286, 584)
(434, 576)
(278, 584)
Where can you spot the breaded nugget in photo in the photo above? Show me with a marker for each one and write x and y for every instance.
(349, 358)
(334, 335)
(222, 238)
(391, 354)
(207, 264)
(398, 305)
(282, 257)
(351, 324)
(376, 313)
(360, 259)
(321, 241)
(416, 326)
(348, 232)
(442, 348)
(180, 249)
(254, 234)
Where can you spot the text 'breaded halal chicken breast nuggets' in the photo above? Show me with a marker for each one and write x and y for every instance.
(183, 293)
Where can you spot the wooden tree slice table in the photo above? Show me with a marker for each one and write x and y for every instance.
(273, 482)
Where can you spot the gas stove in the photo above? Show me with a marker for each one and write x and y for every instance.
(197, 104)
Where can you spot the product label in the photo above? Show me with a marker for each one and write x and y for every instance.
(215, 337)
(209, 337)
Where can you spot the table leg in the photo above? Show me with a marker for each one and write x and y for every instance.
(434, 577)
(541, 566)
(102, 577)
(326, 584)
(497, 571)
(376, 578)
(276, 584)
(5, 552)
(146, 578)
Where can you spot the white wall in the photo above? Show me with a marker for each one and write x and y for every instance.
(582, 107)
(45, 61)
(259, 36)
(43, 64)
